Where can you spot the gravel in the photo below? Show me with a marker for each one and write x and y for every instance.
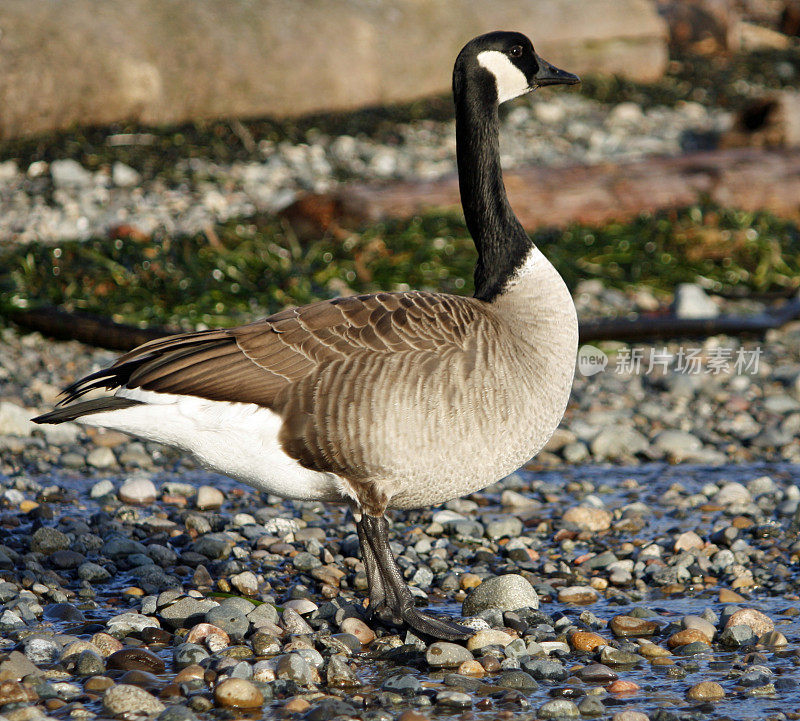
(63, 200)
(676, 597)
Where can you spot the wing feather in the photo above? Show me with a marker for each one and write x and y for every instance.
(259, 362)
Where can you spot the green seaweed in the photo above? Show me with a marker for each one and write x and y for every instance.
(258, 266)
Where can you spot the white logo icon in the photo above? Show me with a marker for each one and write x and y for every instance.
(591, 360)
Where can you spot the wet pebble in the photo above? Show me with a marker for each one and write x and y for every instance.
(443, 654)
(588, 519)
(508, 592)
(624, 626)
(758, 622)
(141, 659)
(123, 699)
(489, 637)
(209, 498)
(137, 490)
(577, 595)
(453, 699)
(238, 693)
(586, 641)
(294, 667)
(359, 629)
(706, 691)
(597, 673)
(229, 618)
(558, 708)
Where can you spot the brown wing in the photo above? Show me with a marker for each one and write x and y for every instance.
(255, 362)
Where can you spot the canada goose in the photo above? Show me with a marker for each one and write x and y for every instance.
(392, 400)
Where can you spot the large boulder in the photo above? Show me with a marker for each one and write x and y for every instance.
(79, 62)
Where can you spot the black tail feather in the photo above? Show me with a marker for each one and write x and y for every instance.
(76, 410)
(115, 376)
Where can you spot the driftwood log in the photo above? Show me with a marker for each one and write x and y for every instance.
(63, 325)
(90, 329)
(746, 178)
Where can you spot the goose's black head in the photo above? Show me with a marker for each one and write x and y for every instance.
(504, 65)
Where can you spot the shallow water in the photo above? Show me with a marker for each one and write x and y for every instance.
(616, 487)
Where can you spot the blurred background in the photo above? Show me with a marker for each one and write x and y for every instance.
(202, 163)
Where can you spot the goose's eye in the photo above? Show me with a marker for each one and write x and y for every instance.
(516, 51)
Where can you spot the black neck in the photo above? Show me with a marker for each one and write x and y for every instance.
(501, 241)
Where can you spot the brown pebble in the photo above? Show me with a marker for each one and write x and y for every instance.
(577, 595)
(54, 704)
(190, 673)
(622, 687)
(171, 690)
(630, 716)
(201, 631)
(98, 683)
(329, 575)
(473, 669)
(588, 519)
(728, 596)
(13, 692)
(688, 635)
(490, 664)
(706, 691)
(359, 629)
(586, 641)
(410, 715)
(106, 643)
(156, 636)
(760, 623)
(488, 637)
(74, 648)
(140, 659)
(662, 661)
(142, 679)
(468, 581)
(631, 626)
(652, 650)
(297, 705)
(238, 693)
(688, 541)
(773, 638)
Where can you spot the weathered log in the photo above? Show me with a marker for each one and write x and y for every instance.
(746, 178)
(90, 329)
(103, 333)
(670, 327)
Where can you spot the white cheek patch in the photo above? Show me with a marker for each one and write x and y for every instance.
(511, 81)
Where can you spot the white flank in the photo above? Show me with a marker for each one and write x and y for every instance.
(237, 439)
(511, 81)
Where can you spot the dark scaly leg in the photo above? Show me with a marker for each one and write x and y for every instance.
(399, 603)
(377, 593)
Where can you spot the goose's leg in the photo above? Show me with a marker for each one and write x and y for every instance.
(399, 602)
(377, 592)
